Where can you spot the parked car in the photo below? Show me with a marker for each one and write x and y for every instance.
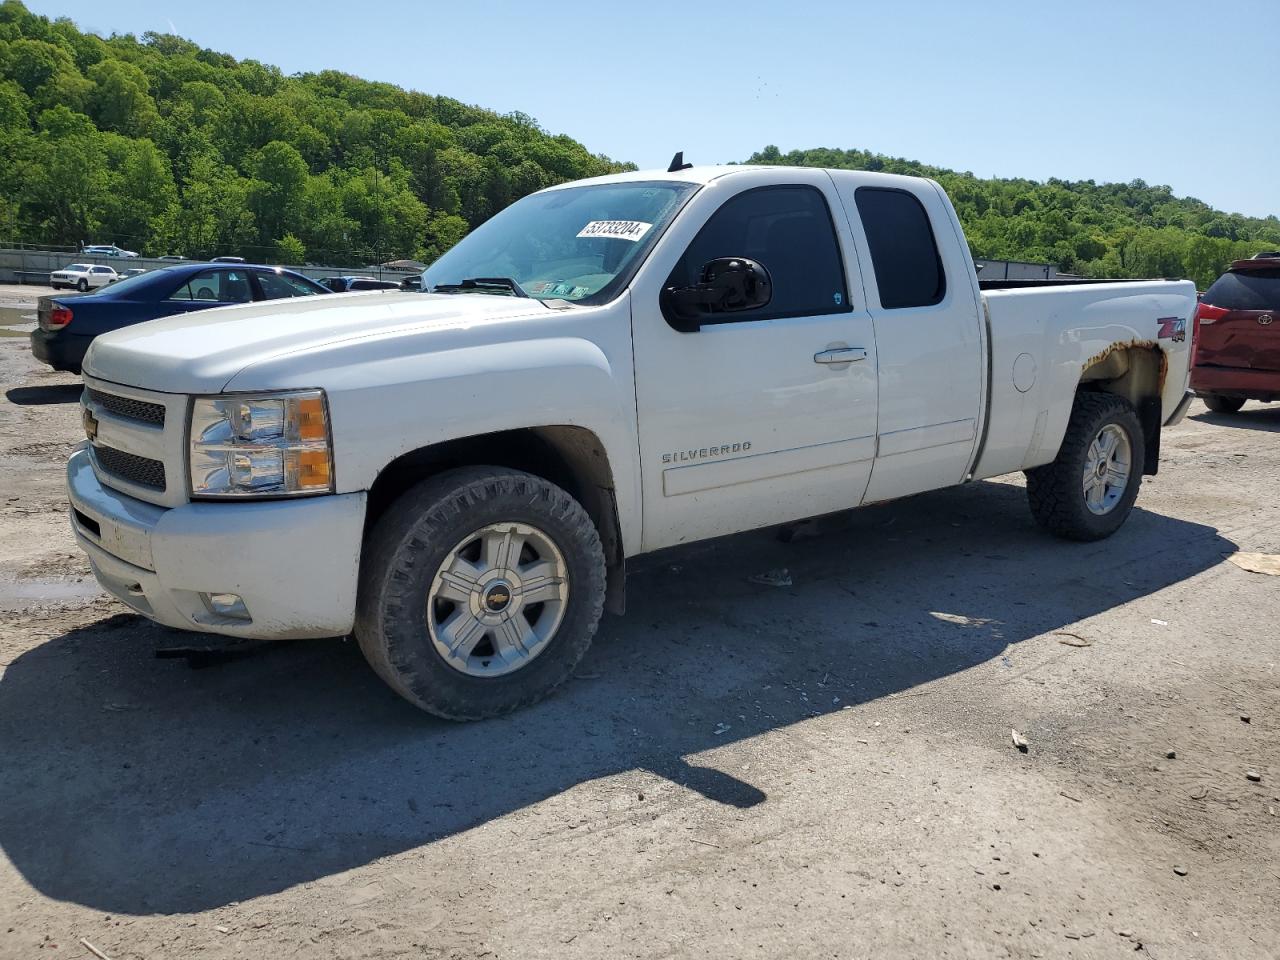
(172, 257)
(227, 260)
(82, 276)
(460, 476)
(106, 250)
(67, 325)
(132, 272)
(1236, 345)
(412, 283)
(349, 284)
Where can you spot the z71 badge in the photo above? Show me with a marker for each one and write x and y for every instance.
(1172, 328)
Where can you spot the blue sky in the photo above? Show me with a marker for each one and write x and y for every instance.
(1174, 92)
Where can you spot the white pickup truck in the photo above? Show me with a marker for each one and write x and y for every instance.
(605, 368)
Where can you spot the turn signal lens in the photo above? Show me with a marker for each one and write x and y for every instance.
(311, 420)
(312, 469)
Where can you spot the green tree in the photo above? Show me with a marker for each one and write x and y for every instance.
(290, 250)
(119, 100)
(141, 201)
(46, 73)
(275, 194)
(64, 174)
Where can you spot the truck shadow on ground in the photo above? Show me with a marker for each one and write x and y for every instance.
(42, 395)
(135, 785)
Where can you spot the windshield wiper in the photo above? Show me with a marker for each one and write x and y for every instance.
(482, 284)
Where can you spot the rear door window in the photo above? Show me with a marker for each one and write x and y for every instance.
(276, 286)
(216, 286)
(903, 250)
(1246, 290)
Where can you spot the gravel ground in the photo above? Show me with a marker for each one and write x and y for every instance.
(18, 307)
(823, 769)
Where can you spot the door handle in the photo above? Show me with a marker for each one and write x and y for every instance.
(840, 355)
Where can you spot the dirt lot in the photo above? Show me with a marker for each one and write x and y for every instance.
(740, 770)
(18, 307)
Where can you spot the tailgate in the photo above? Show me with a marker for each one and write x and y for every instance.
(1236, 324)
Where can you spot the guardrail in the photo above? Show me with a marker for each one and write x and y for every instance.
(20, 265)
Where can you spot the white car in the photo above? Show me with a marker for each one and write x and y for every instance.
(107, 250)
(603, 369)
(82, 276)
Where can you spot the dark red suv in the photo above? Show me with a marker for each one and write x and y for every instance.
(1236, 345)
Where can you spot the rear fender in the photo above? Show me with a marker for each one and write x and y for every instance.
(1133, 343)
(1135, 370)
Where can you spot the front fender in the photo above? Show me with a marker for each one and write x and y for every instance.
(383, 406)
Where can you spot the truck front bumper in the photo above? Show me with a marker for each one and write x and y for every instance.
(293, 563)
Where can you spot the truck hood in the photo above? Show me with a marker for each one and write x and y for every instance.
(200, 352)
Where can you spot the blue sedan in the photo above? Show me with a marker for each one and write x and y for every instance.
(68, 324)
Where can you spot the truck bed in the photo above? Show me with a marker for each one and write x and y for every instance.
(1059, 282)
(1043, 340)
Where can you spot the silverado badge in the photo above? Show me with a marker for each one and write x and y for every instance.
(90, 424)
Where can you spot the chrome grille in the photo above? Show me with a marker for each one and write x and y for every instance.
(130, 409)
(143, 471)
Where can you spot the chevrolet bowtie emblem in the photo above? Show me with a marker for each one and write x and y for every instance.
(90, 424)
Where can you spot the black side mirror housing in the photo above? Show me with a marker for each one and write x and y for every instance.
(725, 285)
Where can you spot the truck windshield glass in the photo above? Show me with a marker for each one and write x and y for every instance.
(579, 244)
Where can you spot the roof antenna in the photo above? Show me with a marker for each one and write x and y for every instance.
(677, 163)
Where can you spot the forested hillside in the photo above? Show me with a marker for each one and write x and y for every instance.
(1096, 229)
(163, 147)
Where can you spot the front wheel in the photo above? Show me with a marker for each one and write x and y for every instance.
(82, 285)
(1222, 404)
(480, 591)
(1087, 492)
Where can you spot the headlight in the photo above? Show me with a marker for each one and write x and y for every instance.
(273, 445)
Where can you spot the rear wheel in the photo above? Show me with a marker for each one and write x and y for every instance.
(480, 591)
(1222, 404)
(1089, 489)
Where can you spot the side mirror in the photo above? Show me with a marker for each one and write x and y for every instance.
(725, 285)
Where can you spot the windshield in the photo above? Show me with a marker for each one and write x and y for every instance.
(579, 244)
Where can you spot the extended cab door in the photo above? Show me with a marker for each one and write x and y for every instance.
(765, 415)
(926, 312)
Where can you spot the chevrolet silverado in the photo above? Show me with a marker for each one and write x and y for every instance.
(606, 368)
